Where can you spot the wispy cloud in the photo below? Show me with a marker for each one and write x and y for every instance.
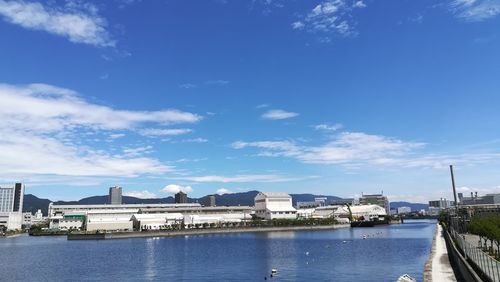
(187, 85)
(348, 147)
(354, 149)
(219, 82)
(330, 17)
(475, 10)
(43, 125)
(80, 23)
(245, 178)
(195, 140)
(328, 127)
(278, 115)
(140, 194)
(164, 132)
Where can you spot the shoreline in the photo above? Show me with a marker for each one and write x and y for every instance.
(197, 232)
(438, 266)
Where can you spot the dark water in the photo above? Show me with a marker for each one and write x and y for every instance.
(299, 256)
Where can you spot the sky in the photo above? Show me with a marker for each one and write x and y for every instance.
(333, 97)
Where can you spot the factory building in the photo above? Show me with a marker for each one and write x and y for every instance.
(274, 205)
(66, 217)
(156, 221)
(11, 206)
(362, 212)
(376, 199)
(143, 217)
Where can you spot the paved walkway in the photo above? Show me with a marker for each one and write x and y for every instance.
(441, 267)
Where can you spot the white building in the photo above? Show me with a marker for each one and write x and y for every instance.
(67, 217)
(216, 220)
(11, 206)
(404, 210)
(103, 220)
(274, 205)
(362, 212)
(156, 221)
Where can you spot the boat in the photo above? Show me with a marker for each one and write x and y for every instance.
(406, 278)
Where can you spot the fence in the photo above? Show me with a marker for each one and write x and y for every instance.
(474, 253)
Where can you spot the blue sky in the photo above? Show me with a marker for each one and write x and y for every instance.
(330, 97)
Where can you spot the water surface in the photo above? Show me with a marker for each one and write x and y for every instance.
(327, 255)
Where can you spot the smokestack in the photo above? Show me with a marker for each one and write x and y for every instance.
(453, 184)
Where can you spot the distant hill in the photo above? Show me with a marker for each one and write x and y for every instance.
(33, 203)
(413, 206)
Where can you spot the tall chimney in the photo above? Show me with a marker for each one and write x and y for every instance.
(453, 184)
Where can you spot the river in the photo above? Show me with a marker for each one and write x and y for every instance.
(323, 255)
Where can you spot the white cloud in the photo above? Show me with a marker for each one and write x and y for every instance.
(174, 188)
(140, 194)
(278, 115)
(223, 191)
(116, 135)
(164, 132)
(48, 108)
(356, 148)
(330, 17)
(219, 82)
(475, 10)
(348, 147)
(328, 127)
(298, 25)
(139, 151)
(359, 4)
(45, 131)
(261, 106)
(80, 23)
(25, 153)
(187, 86)
(264, 178)
(196, 140)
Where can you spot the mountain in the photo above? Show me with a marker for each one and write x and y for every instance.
(413, 206)
(33, 203)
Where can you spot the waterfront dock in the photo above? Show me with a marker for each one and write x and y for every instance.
(438, 267)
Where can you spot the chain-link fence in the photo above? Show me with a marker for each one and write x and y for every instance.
(475, 254)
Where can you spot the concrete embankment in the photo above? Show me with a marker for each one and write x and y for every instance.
(125, 235)
(438, 267)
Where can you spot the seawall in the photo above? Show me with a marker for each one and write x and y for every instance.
(148, 234)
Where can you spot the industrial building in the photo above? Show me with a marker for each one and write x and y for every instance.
(362, 212)
(11, 206)
(274, 205)
(143, 217)
(404, 210)
(66, 217)
(376, 199)
(474, 199)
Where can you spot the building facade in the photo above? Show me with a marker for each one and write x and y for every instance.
(274, 205)
(376, 199)
(11, 206)
(115, 195)
(404, 210)
(181, 198)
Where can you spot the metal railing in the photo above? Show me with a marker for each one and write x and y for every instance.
(475, 254)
